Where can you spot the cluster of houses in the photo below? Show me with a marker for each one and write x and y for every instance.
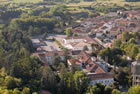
(96, 68)
(110, 26)
(102, 31)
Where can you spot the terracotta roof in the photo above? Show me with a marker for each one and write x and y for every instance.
(90, 40)
(133, 12)
(93, 67)
(100, 76)
(51, 53)
(89, 64)
(122, 21)
(79, 29)
(114, 29)
(83, 56)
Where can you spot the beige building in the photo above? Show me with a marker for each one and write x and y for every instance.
(135, 68)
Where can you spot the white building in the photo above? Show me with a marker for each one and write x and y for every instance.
(79, 46)
(104, 78)
(35, 42)
(72, 40)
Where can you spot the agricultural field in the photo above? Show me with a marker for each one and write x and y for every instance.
(27, 1)
(4, 1)
(19, 1)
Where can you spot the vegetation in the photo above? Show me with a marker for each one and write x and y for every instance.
(68, 32)
(59, 44)
(20, 73)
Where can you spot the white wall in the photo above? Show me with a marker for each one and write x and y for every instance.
(103, 81)
(67, 41)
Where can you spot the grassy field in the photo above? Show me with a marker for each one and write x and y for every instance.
(106, 2)
(118, 2)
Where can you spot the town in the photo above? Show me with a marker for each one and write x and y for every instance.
(86, 37)
(70, 47)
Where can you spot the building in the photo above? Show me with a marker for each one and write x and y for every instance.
(79, 46)
(104, 78)
(135, 68)
(69, 40)
(94, 68)
(47, 57)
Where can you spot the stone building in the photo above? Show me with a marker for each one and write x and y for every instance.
(135, 68)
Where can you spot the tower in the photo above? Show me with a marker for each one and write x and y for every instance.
(135, 68)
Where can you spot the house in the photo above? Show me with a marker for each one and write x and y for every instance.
(35, 42)
(79, 42)
(104, 78)
(93, 68)
(78, 46)
(47, 57)
(115, 31)
(133, 14)
(99, 34)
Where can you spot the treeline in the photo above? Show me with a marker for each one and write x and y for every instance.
(132, 0)
(68, 1)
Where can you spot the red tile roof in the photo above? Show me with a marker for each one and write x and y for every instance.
(83, 56)
(93, 67)
(89, 64)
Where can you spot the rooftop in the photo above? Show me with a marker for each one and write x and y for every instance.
(101, 76)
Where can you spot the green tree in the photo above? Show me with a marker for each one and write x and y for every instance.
(48, 79)
(12, 82)
(56, 60)
(113, 56)
(107, 90)
(126, 36)
(26, 91)
(85, 48)
(115, 91)
(123, 76)
(132, 40)
(68, 32)
(63, 78)
(116, 43)
(93, 90)
(134, 89)
(138, 56)
(81, 81)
